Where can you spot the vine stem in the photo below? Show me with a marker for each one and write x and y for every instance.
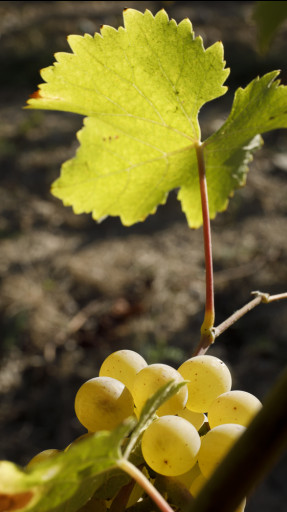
(206, 329)
(260, 298)
(140, 478)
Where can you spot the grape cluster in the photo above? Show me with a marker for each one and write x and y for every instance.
(192, 431)
(171, 444)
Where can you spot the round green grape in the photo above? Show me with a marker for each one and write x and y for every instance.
(209, 377)
(152, 378)
(103, 403)
(233, 407)
(170, 445)
(216, 444)
(123, 365)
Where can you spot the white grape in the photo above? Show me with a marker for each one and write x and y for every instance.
(152, 378)
(216, 444)
(233, 407)
(123, 365)
(103, 403)
(209, 377)
(170, 445)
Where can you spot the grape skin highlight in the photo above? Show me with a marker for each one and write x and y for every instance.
(233, 407)
(209, 377)
(170, 445)
(103, 403)
(152, 378)
(123, 365)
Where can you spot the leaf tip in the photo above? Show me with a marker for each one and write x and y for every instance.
(106, 30)
(98, 219)
(35, 95)
(162, 14)
(186, 25)
(129, 11)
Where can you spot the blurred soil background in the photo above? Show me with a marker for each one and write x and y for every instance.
(72, 291)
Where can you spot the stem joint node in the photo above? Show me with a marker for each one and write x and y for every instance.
(264, 296)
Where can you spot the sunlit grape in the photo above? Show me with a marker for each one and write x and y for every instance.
(233, 407)
(170, 445)
(152, 378)
(209, 377)
(216, 444)
(103, 403)
(123, 365)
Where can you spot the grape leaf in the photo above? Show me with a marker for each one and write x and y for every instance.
(141, 88)
(260, 107)
(66, 481)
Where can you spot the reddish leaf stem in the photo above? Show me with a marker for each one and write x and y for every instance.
(140, 478)
(206, 328)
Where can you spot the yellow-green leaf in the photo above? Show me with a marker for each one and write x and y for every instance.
(141, 88)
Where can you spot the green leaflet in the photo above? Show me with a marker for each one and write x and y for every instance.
(141, 88)
(149, 410)
(260, 107)
(65, 482)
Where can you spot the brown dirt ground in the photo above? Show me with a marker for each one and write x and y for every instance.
(73, 291)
